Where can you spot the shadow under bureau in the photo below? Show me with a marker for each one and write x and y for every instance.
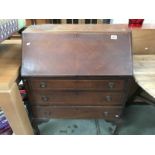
(77, 71)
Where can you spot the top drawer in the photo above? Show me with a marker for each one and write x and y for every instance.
(52, 84)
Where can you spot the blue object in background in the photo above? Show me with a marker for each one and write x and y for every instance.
(5, 128)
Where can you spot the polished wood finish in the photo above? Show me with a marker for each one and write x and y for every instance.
(77, 98)
(65, 28)
(77, 112)
(76, 50)
(77, 84)
(77, 71)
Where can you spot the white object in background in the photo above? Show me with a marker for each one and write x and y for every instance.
(119, 21)
(149, 21)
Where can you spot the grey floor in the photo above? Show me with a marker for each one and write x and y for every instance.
(138, 120)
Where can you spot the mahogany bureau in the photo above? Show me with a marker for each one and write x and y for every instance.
(77, 71)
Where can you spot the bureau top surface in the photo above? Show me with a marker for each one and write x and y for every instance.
(53, 28)
(103, 50)
(70, 28)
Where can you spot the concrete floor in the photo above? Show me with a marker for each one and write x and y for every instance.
(138, 120)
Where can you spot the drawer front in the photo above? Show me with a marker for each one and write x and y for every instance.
(109, 85)
(43, 112)
(77, 98)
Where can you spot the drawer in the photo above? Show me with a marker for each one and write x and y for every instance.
(77, 84)
(77, 98)
(43, 112)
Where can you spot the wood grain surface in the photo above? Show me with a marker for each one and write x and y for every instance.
(144, 72)
(10, 61)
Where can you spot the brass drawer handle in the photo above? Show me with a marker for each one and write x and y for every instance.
(117, 116)
(108, 98)
(106, 113)
(111, 85)
(43, 85)
(44, 98)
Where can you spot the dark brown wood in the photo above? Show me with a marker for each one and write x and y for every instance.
(77, 71)
(76, 84)
(133, 86)
(76, 112)
(77, 98)
(77, 50)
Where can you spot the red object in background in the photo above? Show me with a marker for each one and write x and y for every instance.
(22, 91)
(135, 23)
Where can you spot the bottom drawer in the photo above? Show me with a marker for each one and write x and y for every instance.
(106, 112)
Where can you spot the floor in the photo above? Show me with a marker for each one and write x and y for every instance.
(138, 120)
